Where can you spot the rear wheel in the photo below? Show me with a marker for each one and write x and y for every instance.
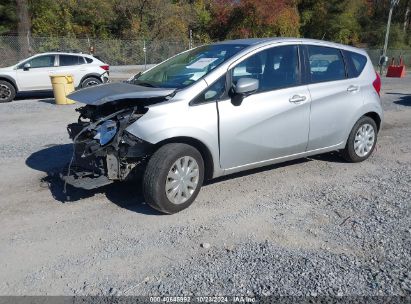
(362, 140)
(89, 82)
(7, 91)
(173, 177)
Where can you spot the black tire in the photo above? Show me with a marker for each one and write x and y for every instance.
(349, 153)
(7, 91)
(90, 81)
(155, 175)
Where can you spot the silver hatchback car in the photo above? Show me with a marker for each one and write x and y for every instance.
(224, 108)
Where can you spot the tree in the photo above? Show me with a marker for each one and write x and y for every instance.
(254, 18)
(51, 18)
(23, 26)
(333, 20)
(346, 21)
(7, 16)
(201, 18)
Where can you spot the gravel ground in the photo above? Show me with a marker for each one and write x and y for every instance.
(315, 226)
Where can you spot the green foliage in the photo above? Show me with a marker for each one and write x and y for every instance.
(253, 18)
(333, 20)
(8, 18)
(346, 21)
(344, 27)
(50, 18)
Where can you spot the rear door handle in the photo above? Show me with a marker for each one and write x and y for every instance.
(353, 88)
(297, 98)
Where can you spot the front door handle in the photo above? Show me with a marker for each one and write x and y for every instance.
(297, 98)
(353, 88)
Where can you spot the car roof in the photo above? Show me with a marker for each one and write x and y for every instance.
(64, 53)
(259, 41)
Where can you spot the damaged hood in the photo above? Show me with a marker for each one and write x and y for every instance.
(105, 93)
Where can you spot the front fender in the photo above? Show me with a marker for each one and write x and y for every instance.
(178, 119)
(11, 80)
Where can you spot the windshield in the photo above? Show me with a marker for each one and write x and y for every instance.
(186, 68)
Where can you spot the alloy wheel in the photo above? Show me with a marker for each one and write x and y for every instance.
(5, 92)
(92, 83)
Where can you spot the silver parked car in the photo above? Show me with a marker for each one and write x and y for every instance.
(224, 108)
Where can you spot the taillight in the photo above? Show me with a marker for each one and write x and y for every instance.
(105, 67)
(377, 84)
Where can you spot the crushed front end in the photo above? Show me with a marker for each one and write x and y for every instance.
(103, 151)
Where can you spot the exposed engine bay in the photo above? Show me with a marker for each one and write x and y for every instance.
(103, 150)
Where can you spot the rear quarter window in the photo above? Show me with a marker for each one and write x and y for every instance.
(88, 60)
(356, 63)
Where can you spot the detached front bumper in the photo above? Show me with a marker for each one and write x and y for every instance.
(94, 171)
(89, 172)
(94, 166)
(85, 180)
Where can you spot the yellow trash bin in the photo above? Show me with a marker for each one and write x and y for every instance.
(62, 86)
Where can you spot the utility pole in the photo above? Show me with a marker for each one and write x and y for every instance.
(145, 54)
(387, 34)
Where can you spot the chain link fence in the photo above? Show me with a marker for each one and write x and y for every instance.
(119, 52)
(391, 53)
(112, 51)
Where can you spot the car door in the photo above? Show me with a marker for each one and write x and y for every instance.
(271, 123)
(73, 65)
(37, 76)
(333, 96)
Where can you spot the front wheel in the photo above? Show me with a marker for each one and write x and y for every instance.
(7, 91)
(362, 140)
(173, 177)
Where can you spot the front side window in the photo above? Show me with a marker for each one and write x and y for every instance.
(274, 68)
(213, 92)
(67, 60)
(326, 64)
(186, 68)
(40, 62)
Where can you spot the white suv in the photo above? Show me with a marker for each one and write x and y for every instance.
(33, 74)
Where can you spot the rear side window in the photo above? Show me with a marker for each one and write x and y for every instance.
(66, 60)
(325, 64)
(356, 63)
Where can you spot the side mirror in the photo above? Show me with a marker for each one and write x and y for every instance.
(26, 66)
(244, 88)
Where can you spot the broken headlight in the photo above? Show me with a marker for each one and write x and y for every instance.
(106, 132)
